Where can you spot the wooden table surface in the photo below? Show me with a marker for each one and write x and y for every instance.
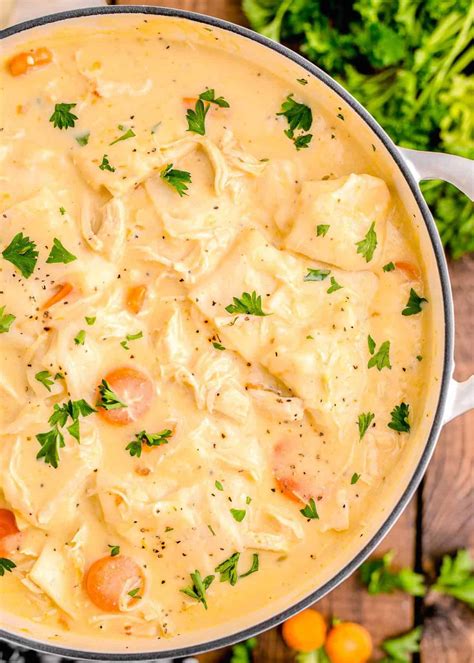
(439, 518)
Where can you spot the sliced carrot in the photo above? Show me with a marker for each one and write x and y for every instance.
(305, 631)
(22, 62)
(110, 579)
(349, 643)
(289, 488)
(294, 463)
(7, 523)
(136, 298)
(62, 292)
(409, 269)
(131, 387)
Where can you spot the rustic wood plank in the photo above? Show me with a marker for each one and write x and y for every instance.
(448, 495)
(227, 9)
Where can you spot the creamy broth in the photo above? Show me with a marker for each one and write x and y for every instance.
(255, 307)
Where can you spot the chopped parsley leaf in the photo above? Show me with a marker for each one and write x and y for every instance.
(130, 337)
(413, 305)
(178, 179)
(80, 338)
(238, 514)
(198, 588)
(59, 253)
(364, 421)
(355, 478)
(316, 274)
(114, 550)
(310, 510)
(90, 321)
(249, 304)
(253, 568)
(83, 139)
(218, 346)
(6, 320)
(322, 229)
(218, 485)
(105, 165)
(380, 578)
(53, 440)
(6, 565)
(299, 117)
(149, 440)
(399, 420)
(389, 267)
(108, 400)
(302, 81)
(22, 253)
(62, 211)
(197, 118)
(45, 378)
(62, 118)
(128, 134)
(228, 569)
(381, 358)
(302, 141)
(367, 246)
(50, 443)
(334, 286)
(210, 96)
(401, 648)
(134, 593)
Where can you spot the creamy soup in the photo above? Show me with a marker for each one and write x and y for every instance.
(213, 331)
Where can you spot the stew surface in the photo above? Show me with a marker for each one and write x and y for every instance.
(212, 332)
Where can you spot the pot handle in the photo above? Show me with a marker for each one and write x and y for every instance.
(438, 166)
(460, 172)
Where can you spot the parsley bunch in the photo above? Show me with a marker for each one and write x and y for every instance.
(407, 63)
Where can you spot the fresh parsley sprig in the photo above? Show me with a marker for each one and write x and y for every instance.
(367, 246)
(334, 286)
(198, 588)
(299, 117)
(149, 440)
(242, 652)
(6, 320)
(6, 565)
(228, 569)
(178, 179)
(129, 133)
(62, 118)
(317, 274)
(210, 96)
(379, 577)
(105, 165)
(364, 421)
(456, 577)
(400, 649)
(310, 511)
(51, 442)
(108, 399)
(399, 421)
(248, 304)
(22, 253)
(45, 378)
(413, 305)
(59, 253)
(381, 358)
(197, 118)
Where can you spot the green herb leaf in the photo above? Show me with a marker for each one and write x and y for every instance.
(108, 399)
(80, 338)
(380, 578)
(367, 246)
(248, 304)
(129, 133)
(105, 165)
(238, 514)
(355, 478)
(315, 656)
(302, 81)
(45, 378)
(210, 96)
(298, 116)
(228, 569)
(178, 179)
(322, 230)
(62, 211)
(381, 358)
(74, 430)
(364, 421)
(389, 267)
(6, 565)
(254, 566)
(134, 593)
(413, 305)
(6, 320)
(218, 485)
(198, 588)
(50, 443)
(456, 577)
(60, 254)
(242, 652)
(399, 420)
(400, 649)
(90, 321)
(218, 346)
(317, 274)
(83, 139)
(148, 439)
(301, 142)
(310, 510)
(114, 550)
(62, 118)
(197, 118)
(22, 253)
(334, 286)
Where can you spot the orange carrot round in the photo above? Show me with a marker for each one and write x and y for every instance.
(133, 388)
(63, 291)
(410, 270)
(22, 62)
(305, 631)
(110, 580)
(10, 535)
(136, 298)
(349, 643)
